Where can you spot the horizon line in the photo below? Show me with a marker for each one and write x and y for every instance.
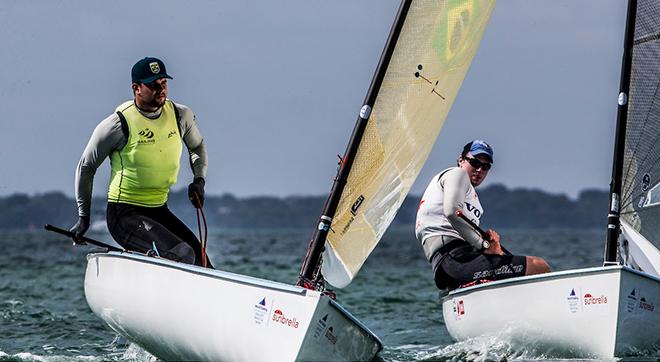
(225, 193)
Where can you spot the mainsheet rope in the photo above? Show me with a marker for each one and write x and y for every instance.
(199, 209)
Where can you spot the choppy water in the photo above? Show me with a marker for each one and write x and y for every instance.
(44, 316)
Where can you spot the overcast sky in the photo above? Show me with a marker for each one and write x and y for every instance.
(276, 87)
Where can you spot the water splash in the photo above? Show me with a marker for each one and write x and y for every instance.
(29, 357)
(137, 354)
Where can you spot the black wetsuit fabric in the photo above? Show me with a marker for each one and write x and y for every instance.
(463, 265)
(138, 228)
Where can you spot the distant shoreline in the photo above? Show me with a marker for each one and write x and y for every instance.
(504, 208)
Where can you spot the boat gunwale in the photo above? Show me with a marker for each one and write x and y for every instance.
(212, 273)
(527, 279)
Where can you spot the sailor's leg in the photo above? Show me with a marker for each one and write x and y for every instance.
(140, 229)
(466, 266)
(457, 268)
(536, 265)
(178, 228)
(507, 266)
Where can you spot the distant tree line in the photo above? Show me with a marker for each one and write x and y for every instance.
(504, 208)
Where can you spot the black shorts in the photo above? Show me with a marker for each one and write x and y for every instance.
(464, 265)
(138, 228)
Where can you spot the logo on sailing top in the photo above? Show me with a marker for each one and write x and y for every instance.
(172, 133)
(146, 133)
(473, 209)
(146, 136)
(420, 204)
(279, 317)
(357, 204)
(573, 301)
(260, 311)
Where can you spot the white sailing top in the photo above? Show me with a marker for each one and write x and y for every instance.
(447, 192)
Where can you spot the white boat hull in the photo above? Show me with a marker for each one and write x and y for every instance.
(182, 312)
(595, 312)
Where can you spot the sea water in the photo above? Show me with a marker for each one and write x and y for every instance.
(44, 315)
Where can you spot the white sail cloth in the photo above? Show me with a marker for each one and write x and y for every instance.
(431, 57)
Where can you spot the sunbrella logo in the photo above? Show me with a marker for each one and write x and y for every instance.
(643, 304)
(329, 334)
(591, 300)
(278, 317)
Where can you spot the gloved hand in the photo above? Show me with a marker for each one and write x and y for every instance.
(196, 187)
(79, 229)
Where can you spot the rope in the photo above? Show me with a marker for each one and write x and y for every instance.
(200, 210)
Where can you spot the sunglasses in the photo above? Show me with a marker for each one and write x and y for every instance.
(478, 164)
(155, 86)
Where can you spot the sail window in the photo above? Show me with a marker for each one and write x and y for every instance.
(653, 196)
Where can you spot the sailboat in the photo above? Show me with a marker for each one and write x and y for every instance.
(183, 312)
(607, 311)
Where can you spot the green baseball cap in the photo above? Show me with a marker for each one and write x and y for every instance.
(148, 70)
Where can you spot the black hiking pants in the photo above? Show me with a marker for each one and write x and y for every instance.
(462, 265)
(138, 228)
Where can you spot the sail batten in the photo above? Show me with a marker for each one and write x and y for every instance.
(432, 54)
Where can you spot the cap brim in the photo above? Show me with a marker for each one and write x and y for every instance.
(484, 153)
(155, 78)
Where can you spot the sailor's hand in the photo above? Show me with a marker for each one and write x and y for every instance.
(494, 248)
(494, 240)
(79, 229)
(493, 236)
(196, 192)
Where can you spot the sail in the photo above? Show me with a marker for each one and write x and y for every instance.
(637, 252)
(640, 192)
(430, 59)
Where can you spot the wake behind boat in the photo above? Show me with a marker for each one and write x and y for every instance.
(611, 310)
(182, 312)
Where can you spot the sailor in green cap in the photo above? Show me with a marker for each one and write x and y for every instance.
(143, 140)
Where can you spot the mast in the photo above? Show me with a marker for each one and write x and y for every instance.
(312, 260)
(613, 225)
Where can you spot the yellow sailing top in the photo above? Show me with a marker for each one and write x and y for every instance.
(144, 169)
